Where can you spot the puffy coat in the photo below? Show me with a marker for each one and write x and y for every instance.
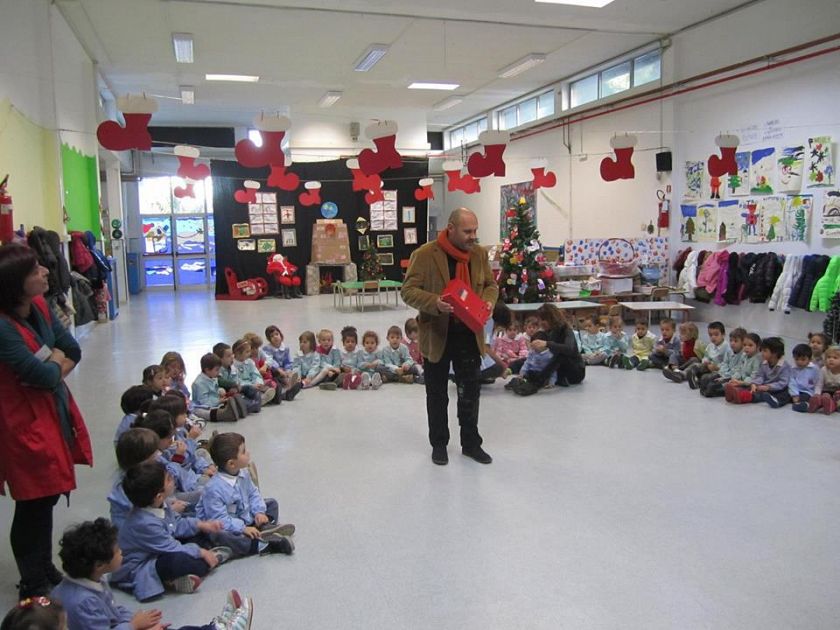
(688, 276)
(763, 276)
(47, 246)
(813, 267)
(708, 278)
(679, 262)
(723, 278)
(784, 285)
(826, 286)
(733, 279)
(745, 264)
(831, 326)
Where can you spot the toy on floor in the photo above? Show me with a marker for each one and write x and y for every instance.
(252, 289)
(285, 272)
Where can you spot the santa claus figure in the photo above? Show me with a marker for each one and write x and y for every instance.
(285, 272)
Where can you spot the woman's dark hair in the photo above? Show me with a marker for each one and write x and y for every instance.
(86, 545)
(553, 316)
(159, 421)
(225, 447)
(134, 397)
(501, 314)
(173, 405)
(34, 613)
(16, 263)
(136, 446)
(143, 482)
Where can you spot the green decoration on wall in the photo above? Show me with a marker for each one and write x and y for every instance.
(81, 191)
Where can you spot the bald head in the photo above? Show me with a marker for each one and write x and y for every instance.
(462, 230)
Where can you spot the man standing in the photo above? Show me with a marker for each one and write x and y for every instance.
(444, 339)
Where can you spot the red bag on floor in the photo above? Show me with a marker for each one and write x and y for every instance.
(469, 308)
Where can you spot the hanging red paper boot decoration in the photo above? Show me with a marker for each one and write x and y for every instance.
(457, 181)
(425, 192)
(312, 196)
(384, 136)
(370, 183)
(622, 166)
(282, 179)
(137, 111)
(726, 164)
(542, 179)
(272, 129)
(373, 196)
(189, 170)
(490, 162)
(249, 195)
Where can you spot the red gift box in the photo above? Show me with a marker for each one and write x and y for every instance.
(469, 308)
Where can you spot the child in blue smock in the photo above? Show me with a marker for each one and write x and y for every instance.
(397, 364)
(330, 359)
(370, 362)
(351, 376)
(247, 373)
(130, 403)
(309, 364)
(136, 446)
(616, 344)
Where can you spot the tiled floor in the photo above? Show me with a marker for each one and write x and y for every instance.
(627, 502)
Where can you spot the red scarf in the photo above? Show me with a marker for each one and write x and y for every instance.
(462, 258)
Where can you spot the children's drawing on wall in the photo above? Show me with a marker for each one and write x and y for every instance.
(688, 225)
(729, 221)
(694, 179)
(762, 164)
(791, 161)
(739, 184)
(820, 165)
(798, 216)
(771, 210)
(749, 225)
(714, 187)
(706, 222)
(830, 220)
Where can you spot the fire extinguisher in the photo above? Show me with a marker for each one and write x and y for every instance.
(7, 222)
(663, 218)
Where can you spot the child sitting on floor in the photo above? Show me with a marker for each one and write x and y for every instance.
(37, 613)
(89, 552)
(232, 499)
(309, 364)
(744, 375)
(207, 395)
(247, 373)
(261, 363)
(330, 359)
(714, 354)
(686, 354)
(369, 360)
(351, 376)
(532, 325)
(804, 376)
(819, 343)
(641, 346)
(279, 359)
(510, 346)
(827, 392)
(136, 446)
(411, 341)
(616, 344)
(397, 364)
(713, 383)
(592, 342)
(229, 379)
(130, 403)
(197, 461)
(665, 345)
(154, 377)
(770, 385)
(535, 365)
(175, 372)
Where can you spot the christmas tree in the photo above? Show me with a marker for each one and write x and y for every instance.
(525, 277)
(371, 269)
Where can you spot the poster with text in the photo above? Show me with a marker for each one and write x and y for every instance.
(738, 185)
(820, 164)
(762, 165)
(791, 163)
(798, 210)
(694, 179)
(729, 221)
(830, 217)
(510, 195)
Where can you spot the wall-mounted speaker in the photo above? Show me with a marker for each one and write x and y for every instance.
(663, 162)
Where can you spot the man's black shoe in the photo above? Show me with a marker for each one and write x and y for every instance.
(478, 454)
(440, 456)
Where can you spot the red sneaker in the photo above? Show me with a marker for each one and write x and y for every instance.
(815, 404)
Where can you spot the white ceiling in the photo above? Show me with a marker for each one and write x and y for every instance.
(302, 49)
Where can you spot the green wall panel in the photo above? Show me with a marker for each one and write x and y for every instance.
(81, 191)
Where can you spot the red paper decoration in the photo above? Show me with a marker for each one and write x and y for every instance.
(272, 129)
(726, 163)
(543, 179)
(137, 111)
(249, 194)
(622, 166)
(384, 136)
(189, 170)
(370, 183)
(373, 196)
(187, 190)
(490, 162)
(280, 178)
(425, 192)
(312, 196)
(458, 181)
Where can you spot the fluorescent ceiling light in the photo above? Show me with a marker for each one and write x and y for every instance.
(523, 65)
(420, 85)
(187, 95)
(594, 4)
(183, 45)
(447, 103)
(370, 57)
(329, 99)
(244, 78)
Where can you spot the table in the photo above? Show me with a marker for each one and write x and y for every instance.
(386, 286)
(391, 286)
(650, 307)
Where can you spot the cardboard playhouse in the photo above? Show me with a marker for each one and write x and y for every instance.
(330, 243)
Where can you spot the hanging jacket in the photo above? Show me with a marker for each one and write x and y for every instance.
(733, 280)
(831, 325)
(812, 271)
(80, 255)
(764, 275)
(47, 247)
(784, 285)
(723, 278)
(826, 286)
(99, 257)
(679, 262)
(745, 263)
(708, 277)
(688, 276)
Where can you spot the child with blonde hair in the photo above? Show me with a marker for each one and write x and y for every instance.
(175, 371)
(592, 342)
(616, 345)
(330, 359)
(641, 346)
(309, 364)
(684, 357)
(247, 373)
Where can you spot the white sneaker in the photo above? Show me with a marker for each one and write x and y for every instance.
(365, 381)
(239, 619)
(268, 395)
(376, 381)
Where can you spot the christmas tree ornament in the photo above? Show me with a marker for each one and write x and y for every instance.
(491, 161)
(725, 164)
(312, 196)
(249, 194)
(523, 289)
(622, 166)
(137, 111)
(541, 285)
(425, 192)
(542, 177)
(272, 129)
(534, 246)
(384, 136)
(510, 213)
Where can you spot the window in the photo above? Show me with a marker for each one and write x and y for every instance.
(584, 91)
(647, 68)
(545, 107)
(507, 118)
(527, 111)
(467, 133)
(615, 79)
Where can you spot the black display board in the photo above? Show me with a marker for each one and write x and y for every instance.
(336, 186)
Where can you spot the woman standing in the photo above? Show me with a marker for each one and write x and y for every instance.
(42, 433)
(567, 362)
